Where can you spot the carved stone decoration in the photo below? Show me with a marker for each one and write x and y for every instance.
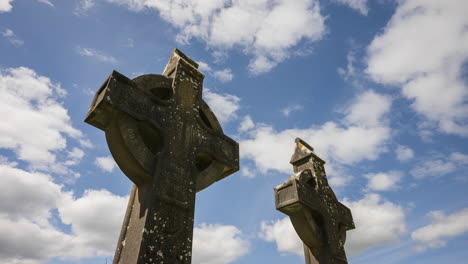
(319, 219)
(165, 138)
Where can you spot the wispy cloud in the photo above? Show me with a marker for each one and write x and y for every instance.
(46, 2)
(97, 55)
(83, 6)
(440, 166)
(292, 108)
(442, 227)
(12, 38)
(358, 5)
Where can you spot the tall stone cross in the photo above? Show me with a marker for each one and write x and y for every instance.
(165, 138)
(319, 219)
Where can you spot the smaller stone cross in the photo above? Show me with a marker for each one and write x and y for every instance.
(319, 219)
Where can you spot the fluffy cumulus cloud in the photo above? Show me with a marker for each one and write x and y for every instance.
(442, 227)
(27, 195)
(440, 166)
(266, 29)
(95, 220)
(358, 5)
(106, 163)
(218, 244)
(29, 235)
(378, 223)
(30, 102)
(283, 234)
(27, 227)
(424, 51)
(5, 5)
(383, 181)
(360, 135)
(224, 106)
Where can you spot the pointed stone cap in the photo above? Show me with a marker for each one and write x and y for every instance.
(303, 152)
(176, 56)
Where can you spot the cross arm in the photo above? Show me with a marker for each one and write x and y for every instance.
(119, 93)
(121, 108)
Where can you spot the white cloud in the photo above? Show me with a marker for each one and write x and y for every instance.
(442, 227)
(74, 156)
(25, 242)
(224, 75)
(459, 158)
(12, 38)
(349, 72)
(5, 5)
(268, 30)
(440, 166)
(46, 2)
(433, 168)
(224, 106)
(368, 109)
(204, 67)
(292, 108)
(383, 181)
(404, 153)
(283, 234)
(360, 136)
(97, 55)
(34, 194)
(29, 102)
(422, 50)
(246, 124)
(378, 223)
(106, 163)
(28, 233)
(95, 220)
(358, 5)
(218, 244)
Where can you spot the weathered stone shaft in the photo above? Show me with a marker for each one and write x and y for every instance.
(159, 222)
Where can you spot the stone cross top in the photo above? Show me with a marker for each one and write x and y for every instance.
(319, 219)
(165, 138)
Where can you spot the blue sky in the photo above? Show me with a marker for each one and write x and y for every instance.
(378, 88)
